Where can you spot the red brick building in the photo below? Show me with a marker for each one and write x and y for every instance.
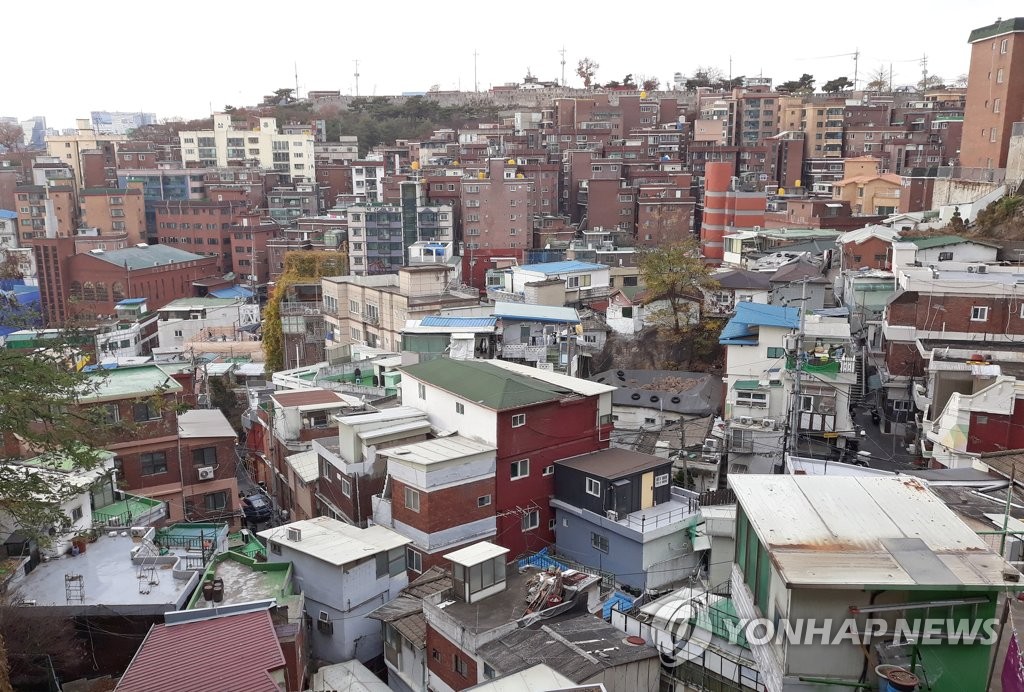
(995, 93)
(201, 227)
(495, 209)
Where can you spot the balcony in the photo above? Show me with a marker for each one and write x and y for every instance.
(305, 307)
(371, 318)
(133, 510)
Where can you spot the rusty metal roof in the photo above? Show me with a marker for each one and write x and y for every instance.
(881, 532)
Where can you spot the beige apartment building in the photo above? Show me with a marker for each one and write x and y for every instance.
(69, 148)
(374, 309)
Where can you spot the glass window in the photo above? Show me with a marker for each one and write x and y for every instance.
(152, 463)
(519, 469)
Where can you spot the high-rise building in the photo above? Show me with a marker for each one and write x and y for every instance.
(995, 93)
(118, 123)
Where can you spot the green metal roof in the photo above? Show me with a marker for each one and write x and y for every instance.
(747, 384)
(486, 384)
(937, 241)
(997, 29)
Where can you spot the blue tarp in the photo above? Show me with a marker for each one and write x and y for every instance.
(618, 601)
(540, 560)
(231, 292)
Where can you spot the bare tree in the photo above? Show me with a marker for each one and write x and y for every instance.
(12, 137)
(586, 69)
(960, 82)
(878, 80)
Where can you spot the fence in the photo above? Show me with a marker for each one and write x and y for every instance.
(545, 560)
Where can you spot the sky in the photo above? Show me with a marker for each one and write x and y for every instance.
(186, 58)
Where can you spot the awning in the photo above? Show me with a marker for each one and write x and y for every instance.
(248, 327)
(747, 384)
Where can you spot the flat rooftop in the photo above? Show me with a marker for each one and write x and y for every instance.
(131, 382)
(495, 610)
(438, 450)
(336, 542)
(246, 581)
(110, 582)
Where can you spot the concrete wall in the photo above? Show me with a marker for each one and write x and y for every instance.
(954, 191)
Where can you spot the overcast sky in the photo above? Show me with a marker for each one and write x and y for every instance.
(64, 59)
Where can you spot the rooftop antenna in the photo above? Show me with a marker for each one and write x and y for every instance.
(296, 81)
(357, 77)
(563, 64)
(476, 85)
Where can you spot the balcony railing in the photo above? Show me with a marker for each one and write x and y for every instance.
(306, 307)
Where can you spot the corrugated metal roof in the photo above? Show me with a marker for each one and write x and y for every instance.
(305, 464)
(486, 383)
(437, 450)
(145, 257)
(565, 266)
(746, 384)
(537, 313)
(204, 423)
(860, 532)
(231, 292)
(461, 322)
(741, 329)
(204, 655)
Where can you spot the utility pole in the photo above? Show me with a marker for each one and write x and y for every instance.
(476, 84)
(794, 412)
(357, 77)
(563, 64)
(296, 81)
(856, 62)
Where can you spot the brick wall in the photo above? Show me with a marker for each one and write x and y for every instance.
(444, 508)
(440, 661)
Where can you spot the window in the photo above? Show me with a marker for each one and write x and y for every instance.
(144, 411)
(112, 415)
(414, 560)
(518, 420)
(776, 352)
(996, 103)
(661, 480)
(275, 547)
(531, 520)
(421, 389)
(483, 501)
(346, 487)
(152, 463)
(979, 313)
(599, 542)
(489, 673)
(999, 76)
(1004, 46)
(435, 654)
(207, 456)
(593, 487)
(945, 256)
(76, 513)
(581, 281)
(460, 407)
(752, 399)
(215, 502)
(992, 134)
(627, 312)
(550, 470)
(412, 499)
(519, 469)
(459, 665)
(353, 306)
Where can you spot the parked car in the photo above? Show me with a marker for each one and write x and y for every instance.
(256, 508)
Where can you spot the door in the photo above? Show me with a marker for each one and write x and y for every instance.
(647, 490)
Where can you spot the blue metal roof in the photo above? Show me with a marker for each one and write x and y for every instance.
(8, 214)
(549, 268)
(442, 321)
(231, 292)
(131, 301)
(741, 330)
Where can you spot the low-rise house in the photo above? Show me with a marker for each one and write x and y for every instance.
(569, 282)
(905, 556)
(618, 511)
(344, 573)
(535, 334)
(189, 320)
(735, 286)
(802, 284)
(867, 248)
(451, 336)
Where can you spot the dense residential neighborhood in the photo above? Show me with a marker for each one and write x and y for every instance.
(706, 384)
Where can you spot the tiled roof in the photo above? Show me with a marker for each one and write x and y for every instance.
(486, 384)
(204, 655)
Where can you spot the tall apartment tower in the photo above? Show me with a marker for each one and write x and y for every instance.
(727, 208)
(995, 93)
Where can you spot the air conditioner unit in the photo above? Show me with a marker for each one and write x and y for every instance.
(711, 443)
(613, 515)
(205, 473)
(767, 423)
(293, 534)
(324, 624)
(746, 420)
(139, 531)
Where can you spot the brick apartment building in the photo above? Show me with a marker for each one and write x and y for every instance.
(995, 93)
(726, 209)
(533, 418)
(201, 227)
(114, 211)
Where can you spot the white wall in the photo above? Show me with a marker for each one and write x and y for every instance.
(477, 422)
(964, 252)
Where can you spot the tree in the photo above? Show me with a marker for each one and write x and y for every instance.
(803, 85)
(932, 81)
(651, 84)
(628, 80)
(878, 80)
(585, 70)
(836, 85)
(704, 77)
(675, 274)
(960, 82)
(12, 137)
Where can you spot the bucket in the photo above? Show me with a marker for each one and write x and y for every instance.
(896, 679)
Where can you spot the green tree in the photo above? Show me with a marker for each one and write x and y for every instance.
(836, 85)
(803, 85)
(677, 275)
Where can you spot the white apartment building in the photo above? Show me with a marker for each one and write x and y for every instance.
(204, 319)
(229, 144)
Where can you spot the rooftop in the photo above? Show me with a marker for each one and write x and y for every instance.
(798, 271)
(131, 382)
(614, 462)
(860, 532)
(563, 267)
(579, 648)
(666, 390)
(351, 676)
(742, 279)
(204, 423)
(538, 678)
(305, 464)
(245, 581)
(110, 581)
(209, 650)
(313, 398)
(336, 542)
(486, 383)
(997, 28)
(873, 231)
(476, 553)
(461, 322)
(438, 450)
(742, 328)
(537, 313)
(199, 303)
(134, 258)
